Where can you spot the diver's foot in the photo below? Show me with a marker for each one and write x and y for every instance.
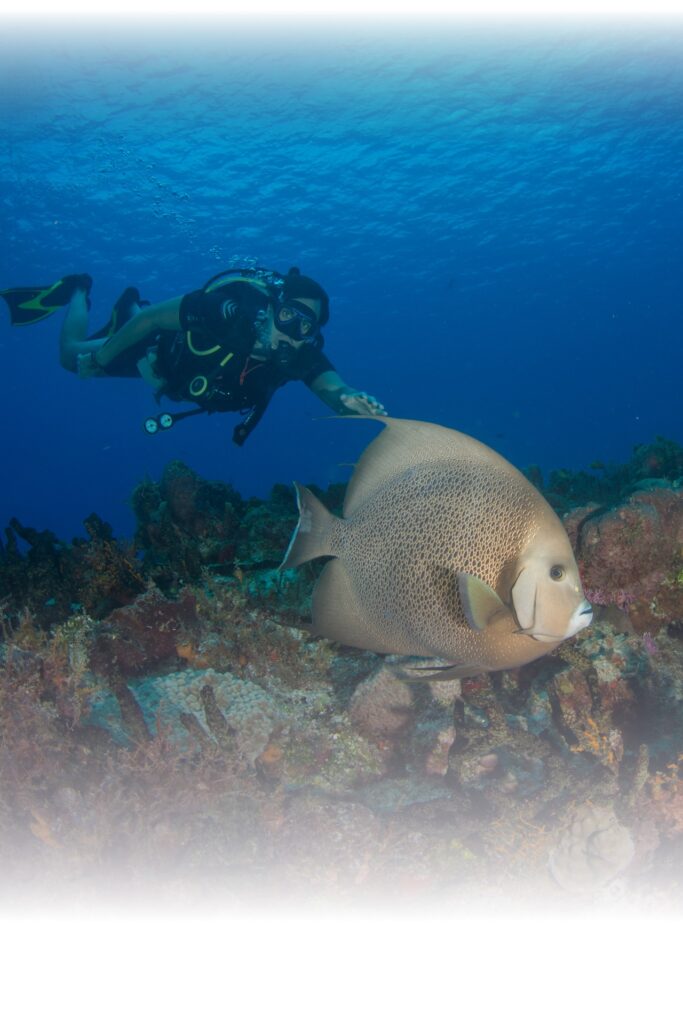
(128, 304)
(129, 297)
(125, 308)
(73, 283)
(82, 281)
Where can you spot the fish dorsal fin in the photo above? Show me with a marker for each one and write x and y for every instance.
(402, 445)
(480, 602)
(523, 595)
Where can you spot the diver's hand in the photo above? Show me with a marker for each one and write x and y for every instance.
(362, 404)
(87, 366)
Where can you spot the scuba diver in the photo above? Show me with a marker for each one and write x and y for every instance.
(226, 347)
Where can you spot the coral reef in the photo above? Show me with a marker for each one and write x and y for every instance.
(185, 524)
(592, 850)
(142, 636)
(53, 579)
(632, 557)
(167, 722)
(657, 464)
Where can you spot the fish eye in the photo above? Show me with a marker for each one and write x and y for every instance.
(557, 573)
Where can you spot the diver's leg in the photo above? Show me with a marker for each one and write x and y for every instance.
(164, 316)
(72, 340)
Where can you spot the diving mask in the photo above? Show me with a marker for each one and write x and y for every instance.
(296, 320)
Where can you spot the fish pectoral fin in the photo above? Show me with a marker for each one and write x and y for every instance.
(523, 595)
(480, 602)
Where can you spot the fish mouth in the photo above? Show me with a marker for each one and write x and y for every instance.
(582, 617)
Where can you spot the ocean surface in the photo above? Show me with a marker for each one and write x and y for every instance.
(496, 213)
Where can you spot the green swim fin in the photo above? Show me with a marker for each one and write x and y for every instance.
(121, 313)
(29, 305)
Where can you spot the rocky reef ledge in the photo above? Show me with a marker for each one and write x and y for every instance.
(168, 724)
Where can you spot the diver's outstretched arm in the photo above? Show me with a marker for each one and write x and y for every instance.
(333, 391)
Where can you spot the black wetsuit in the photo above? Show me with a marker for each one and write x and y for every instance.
(209, 361)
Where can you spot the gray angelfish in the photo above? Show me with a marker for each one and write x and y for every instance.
(445, 551)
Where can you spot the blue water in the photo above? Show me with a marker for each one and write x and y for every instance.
(496, 213)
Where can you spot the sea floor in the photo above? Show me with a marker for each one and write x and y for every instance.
(170, 730)
(270, 767)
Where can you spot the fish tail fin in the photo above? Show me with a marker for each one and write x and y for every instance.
(28, 305)
(312, 536)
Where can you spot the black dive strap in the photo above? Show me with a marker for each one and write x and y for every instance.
(251, 420)
(166, 420)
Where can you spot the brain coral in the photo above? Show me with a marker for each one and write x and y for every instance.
(250, 714)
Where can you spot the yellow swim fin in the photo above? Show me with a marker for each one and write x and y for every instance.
(28, 305)
(125, 307)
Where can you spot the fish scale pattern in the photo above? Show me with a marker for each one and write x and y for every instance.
(424, 527)
(445, 551)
